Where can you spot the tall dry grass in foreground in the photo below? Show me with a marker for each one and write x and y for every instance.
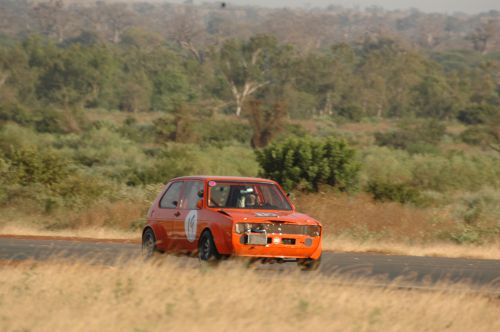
(179, 295)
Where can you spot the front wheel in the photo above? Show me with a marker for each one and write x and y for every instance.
(206, 248)
(309, 264)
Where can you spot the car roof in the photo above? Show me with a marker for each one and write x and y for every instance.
(222, 178)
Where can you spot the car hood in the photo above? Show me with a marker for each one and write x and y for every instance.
(273, 216)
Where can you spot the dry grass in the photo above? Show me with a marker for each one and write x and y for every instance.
(117, 215)
(365, 219)
(90, 232)
(179, 295)
(437, 249)
(121, 219)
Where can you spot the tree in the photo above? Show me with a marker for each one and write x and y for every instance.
(185, 28)
(486, 136)
(267, 121)
(329, 77)
(251, 65)
(434, 97)
(483, 34)
(306, 30)
(136, 93)
(493, 131)
(3, 77)
(119, 19)
(374, 67)
(74, 76)
(108, 20)
(52, 18)
(171, 80)
(17, 79)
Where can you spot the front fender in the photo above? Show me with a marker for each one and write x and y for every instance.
(222, 238)
(317, 253)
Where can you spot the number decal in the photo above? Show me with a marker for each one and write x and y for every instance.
(190, 225)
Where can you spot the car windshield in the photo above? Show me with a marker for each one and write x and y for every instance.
(246, 195)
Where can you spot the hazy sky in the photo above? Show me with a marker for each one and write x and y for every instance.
(443, 6)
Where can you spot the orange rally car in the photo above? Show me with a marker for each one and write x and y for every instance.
(216, 217)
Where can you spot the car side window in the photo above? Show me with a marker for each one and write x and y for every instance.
(190, 196)
(170, 199)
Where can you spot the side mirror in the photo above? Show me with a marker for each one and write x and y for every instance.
(200, 193)
(199, 204)
(175, 203)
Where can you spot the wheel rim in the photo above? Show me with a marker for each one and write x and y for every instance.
(205, 249)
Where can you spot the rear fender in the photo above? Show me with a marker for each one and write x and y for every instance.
(160, 236)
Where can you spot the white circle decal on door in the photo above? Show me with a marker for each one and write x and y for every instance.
(190, 225)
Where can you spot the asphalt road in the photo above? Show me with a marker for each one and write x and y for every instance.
(406, 271)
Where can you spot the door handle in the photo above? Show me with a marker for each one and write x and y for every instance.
(177, 214)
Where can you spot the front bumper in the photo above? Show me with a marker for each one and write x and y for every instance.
(278, 246)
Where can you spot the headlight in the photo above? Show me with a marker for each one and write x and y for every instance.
(313, 230)
(242, 228)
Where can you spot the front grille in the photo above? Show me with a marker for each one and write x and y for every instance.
(278, 228)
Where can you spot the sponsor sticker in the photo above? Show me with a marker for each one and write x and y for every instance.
(190, 225)
(265, 214)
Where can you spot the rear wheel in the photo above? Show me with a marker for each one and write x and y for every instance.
(148, 243)
(309, 264)
(206, 248)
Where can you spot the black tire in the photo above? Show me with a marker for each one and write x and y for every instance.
(207, 252)
(149, 244)
(309, 264)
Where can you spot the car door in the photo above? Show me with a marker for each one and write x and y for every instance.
(185, 226)
(168, 211)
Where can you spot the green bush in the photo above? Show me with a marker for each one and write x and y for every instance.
(476, 135)
(106, 153)
(175, 159)
(138, 132)
(307, 163)
(80, 190)
(397, 192)
(352, 112)
(442, 173)
(476, 114)
(466, 235)
(29, 166)
(50, 120)
(4, 169)
(47, 179)
(418, 137)
(13, 136)
(220, 132)
(478, 207)
(15, 111)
